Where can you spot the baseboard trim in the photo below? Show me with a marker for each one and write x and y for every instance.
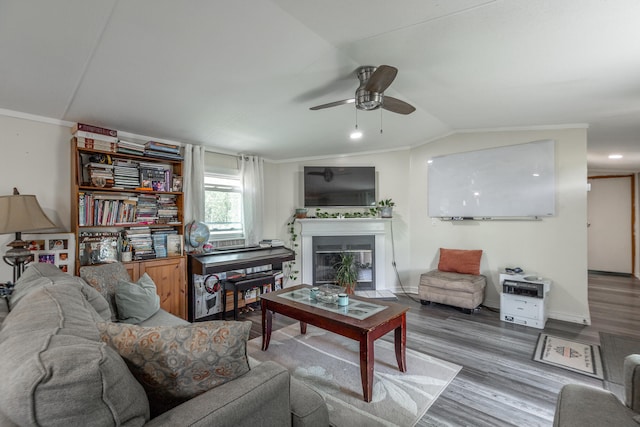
(581, 320)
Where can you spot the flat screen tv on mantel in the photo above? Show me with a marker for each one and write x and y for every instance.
(339, 186)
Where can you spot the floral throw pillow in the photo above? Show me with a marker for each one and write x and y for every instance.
(177, 363)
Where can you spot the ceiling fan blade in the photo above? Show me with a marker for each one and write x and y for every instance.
(333, 104)
(381, 78)
(396, 106)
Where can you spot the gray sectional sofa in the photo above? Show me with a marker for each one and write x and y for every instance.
(57, 370)
(581, 405)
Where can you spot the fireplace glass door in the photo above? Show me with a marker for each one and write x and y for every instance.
(326, 254)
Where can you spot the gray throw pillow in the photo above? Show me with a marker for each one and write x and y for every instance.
(137, 302)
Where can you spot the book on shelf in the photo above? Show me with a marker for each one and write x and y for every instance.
(99, 165)
(98, 247)
(122, 150)
(131, 145)
(98, 136)
(141, 242)
(93, 129)
(106, 209)
(95, 144)
(127, 147)
(163, 155)
(162, 146)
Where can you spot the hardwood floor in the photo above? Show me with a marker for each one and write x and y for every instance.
(500, 384)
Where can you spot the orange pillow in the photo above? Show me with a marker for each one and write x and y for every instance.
(460, 261)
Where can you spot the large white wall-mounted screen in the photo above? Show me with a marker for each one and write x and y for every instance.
(512, 181)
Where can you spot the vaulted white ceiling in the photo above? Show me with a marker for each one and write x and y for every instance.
(241, 75)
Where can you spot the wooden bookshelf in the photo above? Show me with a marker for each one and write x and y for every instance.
(107, 215)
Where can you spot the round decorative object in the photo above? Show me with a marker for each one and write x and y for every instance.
(197, 233)
(99, 182)
(212, 283)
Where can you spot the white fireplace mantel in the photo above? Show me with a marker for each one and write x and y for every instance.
(376, 227)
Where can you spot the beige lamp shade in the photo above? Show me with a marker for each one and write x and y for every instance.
(22, 213)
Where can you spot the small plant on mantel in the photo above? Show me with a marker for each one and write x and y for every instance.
(386, 203)
(385, 206)
(347, 272)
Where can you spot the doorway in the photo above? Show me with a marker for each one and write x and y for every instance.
(610, 213)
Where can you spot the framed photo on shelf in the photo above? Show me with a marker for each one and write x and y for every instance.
(174, 244)
(176, 184)
(56, 249)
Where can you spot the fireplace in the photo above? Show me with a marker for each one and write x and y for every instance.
(326, 253)
(366, 237)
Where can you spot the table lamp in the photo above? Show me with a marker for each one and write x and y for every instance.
(20, 213)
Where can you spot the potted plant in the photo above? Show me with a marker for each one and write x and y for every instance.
(347, 272)
(386, 208)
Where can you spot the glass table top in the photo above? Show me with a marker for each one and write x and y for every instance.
(329, 301)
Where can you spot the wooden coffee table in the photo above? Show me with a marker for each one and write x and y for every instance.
(366, 331)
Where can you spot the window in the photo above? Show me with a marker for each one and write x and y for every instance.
(223, 206)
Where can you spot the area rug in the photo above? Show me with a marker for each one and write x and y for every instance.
(568, 354)
(330, 364)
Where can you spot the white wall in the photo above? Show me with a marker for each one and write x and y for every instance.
(35, 159)
(555, 248)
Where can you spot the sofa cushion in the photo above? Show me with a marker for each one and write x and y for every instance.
(458, 282)
(104, 278)
(163, 318)
(460, 261)
(581, 405)
(42, 274)
(4, 309)
(137, 302)
(57, 371)
(176, 363)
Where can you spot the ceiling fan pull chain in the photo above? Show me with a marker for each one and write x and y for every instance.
(380, 121)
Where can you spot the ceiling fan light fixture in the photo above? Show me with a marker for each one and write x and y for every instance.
(368, 101)
(356, 134)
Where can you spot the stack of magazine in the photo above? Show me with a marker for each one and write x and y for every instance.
(271, 243)
(162, 150)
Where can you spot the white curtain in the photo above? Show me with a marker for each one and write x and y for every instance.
(251, 170)
(193, 183)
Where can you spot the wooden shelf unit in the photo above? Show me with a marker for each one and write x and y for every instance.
(168, 273)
